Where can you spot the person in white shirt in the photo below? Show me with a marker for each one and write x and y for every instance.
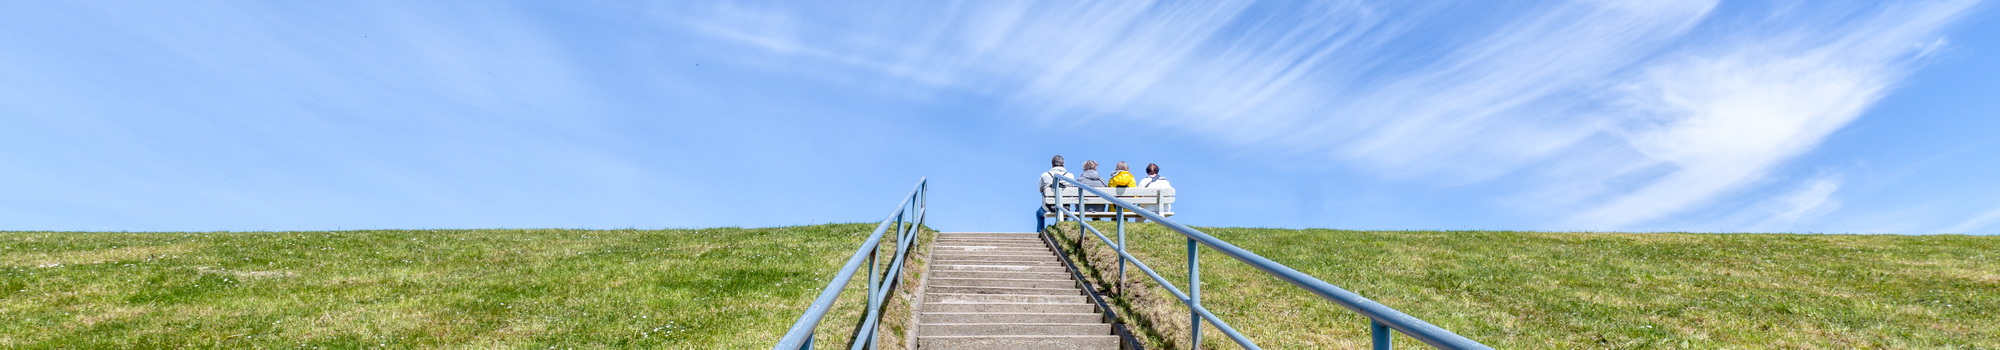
(1055, 169)
(1153, 178)
(1049, 177)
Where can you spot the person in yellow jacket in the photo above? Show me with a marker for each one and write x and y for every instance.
(1122, 177)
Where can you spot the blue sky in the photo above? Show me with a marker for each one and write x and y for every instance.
(1765, 116)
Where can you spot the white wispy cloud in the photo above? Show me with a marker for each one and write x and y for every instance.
(1622, 112)
(1722, 117)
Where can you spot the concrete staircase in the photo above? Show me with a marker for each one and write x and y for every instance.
(1004, 291)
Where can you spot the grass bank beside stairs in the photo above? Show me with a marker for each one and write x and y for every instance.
(1552, 290)
(728, 288)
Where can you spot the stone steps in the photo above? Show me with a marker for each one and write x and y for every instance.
(1004, 291)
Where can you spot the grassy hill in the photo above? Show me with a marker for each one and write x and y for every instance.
(1588, 290)
(707, 288)
(740, 288)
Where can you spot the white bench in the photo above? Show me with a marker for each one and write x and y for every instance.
(1159, 200)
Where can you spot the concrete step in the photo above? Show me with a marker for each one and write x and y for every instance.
(1034, 251)
(988, 235)
(983, 242)
(1009, 307)
(1013, 343)
(934, 318)
(962, 253)
(960, 242)
(997, 258)
(937, 266)
(1000, 282)
(987, 248)
(992, 237)
(961, 329)
(1050, 264)
(1003, 275)
(1004, 290)
(940, 297)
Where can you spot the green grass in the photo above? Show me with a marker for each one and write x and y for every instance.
(1585, 290)
(707, 288)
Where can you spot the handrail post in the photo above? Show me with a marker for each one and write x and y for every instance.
(1079, 218)
(1121, 250)
(1194, 292)
(1056, 188)
(1380, 333)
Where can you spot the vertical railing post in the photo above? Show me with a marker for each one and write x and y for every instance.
(872, 253)
(1381, 334)
(1194, 292)
(1079, 219)
(1055, 186)
(1121, 250)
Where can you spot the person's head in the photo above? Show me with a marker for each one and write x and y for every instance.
(1122, 167)
(1089, 165)
(1152, 168)
(1057, 161)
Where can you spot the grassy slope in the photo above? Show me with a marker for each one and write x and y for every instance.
(1592, 290)
(709, 288)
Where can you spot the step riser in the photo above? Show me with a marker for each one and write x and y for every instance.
(1010, 308)
(1013, 329)
(1011, 244)
(1003, 250)
(988, 235)
(1001, 275)
(1003, 290)
(977, 254)
(1003, 258)
(1046, 264)
(1011, 343)
(975, 267)
(987, 243)
(1036, 244)
(932, 318)
(1053, 267)
(997, 298)
(972, 282)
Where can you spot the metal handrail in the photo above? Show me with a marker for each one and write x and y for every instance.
(1381, 318)
(800, 336)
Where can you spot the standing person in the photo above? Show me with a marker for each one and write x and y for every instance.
(1153, 178)
(1122, 177)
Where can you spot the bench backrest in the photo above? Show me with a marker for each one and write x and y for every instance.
(1135, 195)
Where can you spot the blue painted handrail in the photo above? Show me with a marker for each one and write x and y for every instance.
(1381, 318)
(801, 334)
